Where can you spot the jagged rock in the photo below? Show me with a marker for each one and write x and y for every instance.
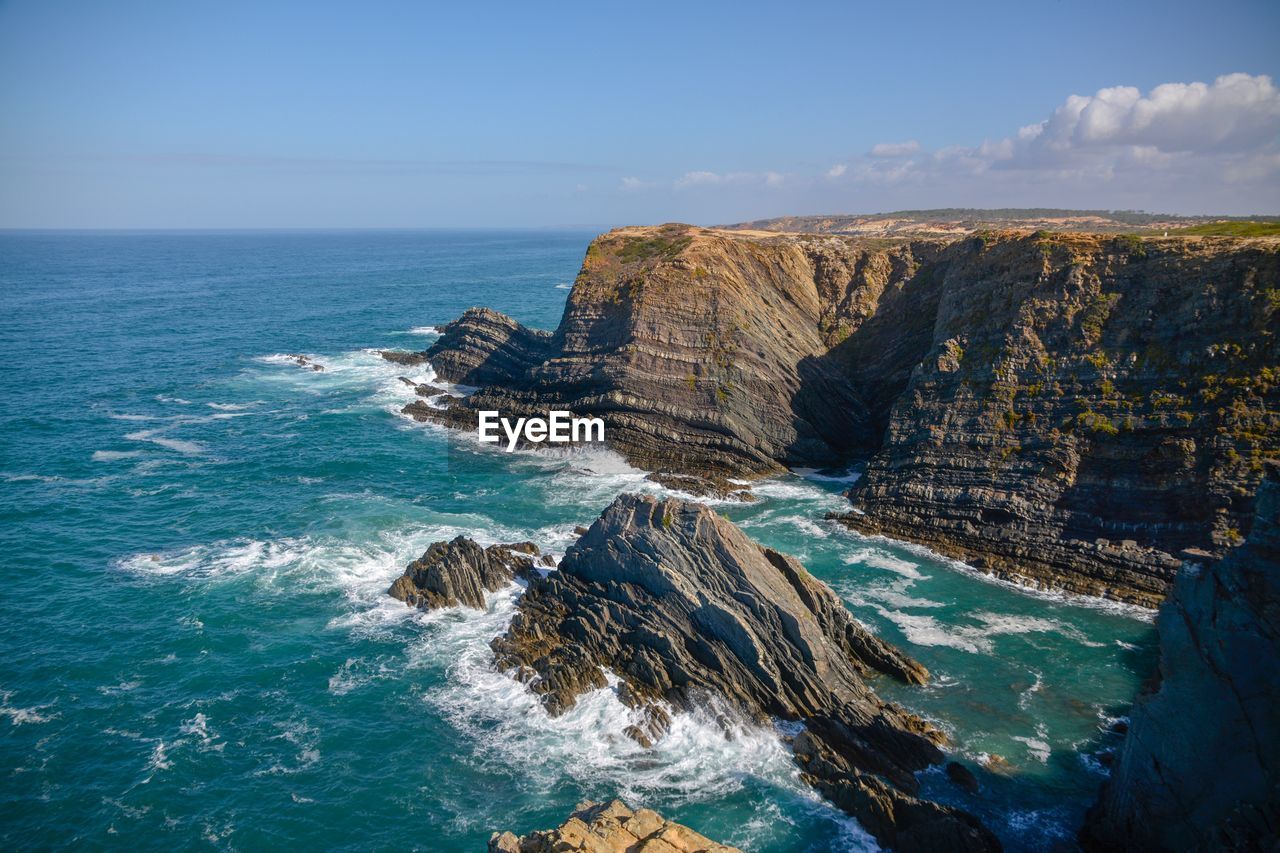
(409, 359)
(460, 572)
(1020, 396)
(681, 605)
(610, 828)
(1200, 766)
(481, 347)
(834, 756)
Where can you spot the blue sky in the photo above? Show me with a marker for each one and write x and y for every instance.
(389, 114)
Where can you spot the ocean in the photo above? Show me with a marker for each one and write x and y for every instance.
(196, 647)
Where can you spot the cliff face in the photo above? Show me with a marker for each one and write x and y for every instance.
(1088, 407)
(704, 351)
(1200, 766)
(1068, 410)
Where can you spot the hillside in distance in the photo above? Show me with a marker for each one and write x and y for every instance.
(961, 221)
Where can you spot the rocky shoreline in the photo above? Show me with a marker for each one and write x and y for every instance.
(687, 612)
(1079, 412)
(1070, 411)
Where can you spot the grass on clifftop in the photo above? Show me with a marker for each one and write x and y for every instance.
(1231, 229)
(640, 249)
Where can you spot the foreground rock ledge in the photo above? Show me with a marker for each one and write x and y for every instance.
(610, 828)
(688, 611)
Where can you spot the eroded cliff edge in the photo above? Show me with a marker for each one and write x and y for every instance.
(1200, 766)
(1069, 410)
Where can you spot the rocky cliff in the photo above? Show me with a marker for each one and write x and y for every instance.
(1087, 409)
(702, 350)
(1200, 765)
(1069, 410)
(680, 605)
(610, 828)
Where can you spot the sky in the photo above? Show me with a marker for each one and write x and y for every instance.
(131, 114)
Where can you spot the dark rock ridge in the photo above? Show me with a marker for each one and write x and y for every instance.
(1200, 765)
(682, 606)
(610, 828)
(460, 572)
(1068, 410)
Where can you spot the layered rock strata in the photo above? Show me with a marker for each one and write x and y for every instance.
(1068, 410)
(1087, 409)
(686, 610)
(460, 573)
(701, 350)
(1200, 765)
(610, 828)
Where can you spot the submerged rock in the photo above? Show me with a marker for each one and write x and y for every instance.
(962, 777)
(1200, 764)
(304, 361)
(682, 606)
(460, 572)
(610, 828)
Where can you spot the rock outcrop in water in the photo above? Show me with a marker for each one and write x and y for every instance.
(1200, 765)
(681, 606)
(460, 572)
(1068, 410)
(610, 828)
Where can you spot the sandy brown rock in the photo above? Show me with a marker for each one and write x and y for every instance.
(460, 572)
(610, 828)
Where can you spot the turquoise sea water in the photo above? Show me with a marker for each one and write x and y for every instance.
(196, 648)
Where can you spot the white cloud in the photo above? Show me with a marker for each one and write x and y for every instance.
(704, 179)
(633, 183)
(1236, 112)
(895, 149)
(1180, 147)
(693, 179)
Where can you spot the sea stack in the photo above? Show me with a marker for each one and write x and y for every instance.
(686, 610)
